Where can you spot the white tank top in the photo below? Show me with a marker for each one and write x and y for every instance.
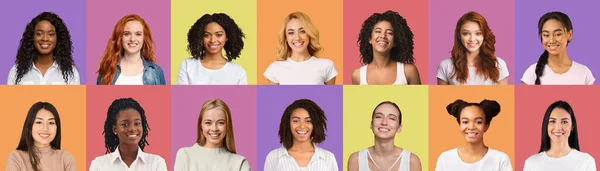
(400, 77)
(363, 160)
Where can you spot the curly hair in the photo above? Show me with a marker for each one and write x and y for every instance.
(314, 46)
(543, 60)
(63, 51)
(486, 63)
(490, 109)
(234, 44)
(317, 115)
(111, 141)
(114, 48)
(403, 38)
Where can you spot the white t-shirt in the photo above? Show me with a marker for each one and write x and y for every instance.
(575, 160)
(53, 76)
(446, 68)
(578, 74)
(493, 160)
(193, 72)
(314, 71)
(130, 80)
(143, 162)
(279, 160)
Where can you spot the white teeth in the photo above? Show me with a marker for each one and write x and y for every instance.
(557, 133)
(213, 134)
(44, 135)
(382, 43)
(301, 132)
(384, 129)
(132, 44)
(45, 46)
(298, 44)
(132, 136)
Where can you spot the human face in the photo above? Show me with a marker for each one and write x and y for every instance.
(128, 127)
(133, 37)
(559, 125)
(382, 37)
(296, 36)
(44, 37)
(214, 38)
(214, 127)
(471, 36)
(43, 129)
(555, 37)
(472, 124)
(385, 123)
(301, 125)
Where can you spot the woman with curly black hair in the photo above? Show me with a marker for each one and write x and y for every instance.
(473, 61)
(206, 40)
(125, 132)
(386, 48)
(45, 54)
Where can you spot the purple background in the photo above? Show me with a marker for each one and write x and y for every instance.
(17, 14)
(103, 15)
(272, 101)
(442, 21)
(185, 109)
(583, 46)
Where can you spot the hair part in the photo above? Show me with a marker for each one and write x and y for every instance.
(63, 50)
(403, 38)
(235, 37)
(114, 48)
(111, 140)
(27, 143)
(317, 116)
(314, 46)
(573, 137)
(490, 109)
(229, 140)
(486, 63)
(543, 60)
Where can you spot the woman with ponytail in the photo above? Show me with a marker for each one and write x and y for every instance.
(554, 65)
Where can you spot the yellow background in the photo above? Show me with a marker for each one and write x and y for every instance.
(359, 103)
(184, 13)
(68, 100)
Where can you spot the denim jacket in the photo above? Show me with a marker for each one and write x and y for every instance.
(153, 74)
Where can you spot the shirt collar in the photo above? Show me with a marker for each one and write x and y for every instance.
(54, 65)
(282, 152)
(116, 156)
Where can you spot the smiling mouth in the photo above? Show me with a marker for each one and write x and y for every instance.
(553, 47)
(44, 135)
(298, 44)
(133, 136)
(214, 135)
(132, 44)
(383, 129)
(472, 45)
(44, 46)
(471, 134)
(302, 132)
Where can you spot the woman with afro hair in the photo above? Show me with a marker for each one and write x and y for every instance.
(207, 39)
(45, 54)
(386, 48)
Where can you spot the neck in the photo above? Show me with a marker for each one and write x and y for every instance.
(208, 145)
(381, 60)
(471, 57)
(300, 56)
(47, 59)
(302, 146)
(559, 149)
(474, 148)
(561, 58)
(384, 147)
(215, 57)
(131, 58)
(128, 151)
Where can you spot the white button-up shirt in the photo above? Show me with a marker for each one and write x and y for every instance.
(53, 76)
(280, 160)
(143, 162)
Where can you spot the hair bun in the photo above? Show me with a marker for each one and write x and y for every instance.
(490, 107)
(455, 107)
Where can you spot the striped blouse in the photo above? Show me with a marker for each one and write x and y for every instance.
(280, 160)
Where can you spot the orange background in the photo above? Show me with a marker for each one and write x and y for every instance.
(156, 103)
(532, 102)
(444, 131)
(417, 16)
(68, 100)
(327, 16)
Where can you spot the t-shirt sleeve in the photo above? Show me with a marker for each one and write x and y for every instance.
(270, 73)
(444, 70)
(242, 78)
(12, 74)
(439, 166)
(529, 75)
(589, 77)
(505, 164)
(590, 164)
(182, 76)
(75, 80)
(331, 71)
(528, 164)
(503, 69)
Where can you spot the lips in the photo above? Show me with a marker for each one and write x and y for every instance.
(471, 134)
(44, 46)
(472, 45)
(133, 136)
(132, 44)
(214, 135)
(213, 46)
(553, 46)
(298, 44)
(383, 129)
(44, 135)
(302, 132)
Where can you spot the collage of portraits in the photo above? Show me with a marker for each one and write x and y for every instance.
(272, 85)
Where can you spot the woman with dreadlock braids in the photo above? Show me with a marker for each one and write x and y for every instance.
(125, 132)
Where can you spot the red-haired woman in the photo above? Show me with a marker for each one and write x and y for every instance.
(129, 55)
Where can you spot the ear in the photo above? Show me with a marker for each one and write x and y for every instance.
(570, 34)
(485, 129)
(399, 128)
(114, 129)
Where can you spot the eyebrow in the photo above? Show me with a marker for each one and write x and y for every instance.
(468, 118)
(554, 30)
(124, 120)
(560, 118)
(301, 28)
(297, 117)
(43, 119)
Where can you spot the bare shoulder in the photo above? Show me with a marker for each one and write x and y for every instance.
(356, 76)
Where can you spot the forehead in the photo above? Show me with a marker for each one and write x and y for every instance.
(552, 25)
(559, 113)
(383, 25)
(128, 114)
(213, 27)
(387, 109)
(44, 114)
(294, 23)
(472, 112)
(301, 113)
(214, 114)
(44, 25)
(133, 25)
(470, 25)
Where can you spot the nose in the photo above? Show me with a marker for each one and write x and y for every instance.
(384, 122)
(45, 126)
(45, 37)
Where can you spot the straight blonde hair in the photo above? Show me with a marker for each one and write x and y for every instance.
(217, 104)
